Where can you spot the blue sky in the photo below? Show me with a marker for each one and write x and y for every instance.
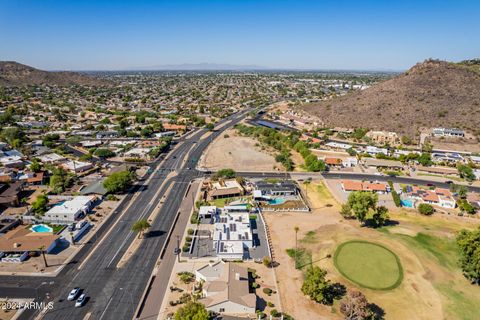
(361, 34)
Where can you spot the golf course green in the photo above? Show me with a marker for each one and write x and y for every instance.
(368, 265)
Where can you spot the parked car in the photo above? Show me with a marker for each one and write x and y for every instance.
(73, 294)
(71, 227)
(80, 225)
(80, 301)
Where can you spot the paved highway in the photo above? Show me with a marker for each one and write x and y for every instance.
(115, 292)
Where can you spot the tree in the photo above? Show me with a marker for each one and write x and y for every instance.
(355, 306)
(13, 136)
(118, 181)
(140, 226)
(346, 211)
(210, 126)
(192, 311)
(267, 262)
(35, 166)
(315, 285)
(59, 180)
(104, 153)
(462, 191)
(307, 183)
(425, 159)
(296, 228)
(469, 244)
(39, 206)
(225, 173)
(380, 216)
(425, 209)
(466, 172)
(73, 140)
(361, 202)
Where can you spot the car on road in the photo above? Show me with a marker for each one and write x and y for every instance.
(73, 294)
(449, 182)
(80, 301)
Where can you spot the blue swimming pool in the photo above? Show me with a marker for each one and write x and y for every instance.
(276, 201)
(41, 228)
(406, 203)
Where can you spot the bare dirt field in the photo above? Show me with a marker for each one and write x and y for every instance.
(469, 145)
(238, 153)
(432, 288)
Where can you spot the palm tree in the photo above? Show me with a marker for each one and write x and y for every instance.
(42, 251)
(296, 247)
(307, 183)
(140, 226)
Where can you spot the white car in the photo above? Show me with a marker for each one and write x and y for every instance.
(80, 301)
(73, 294)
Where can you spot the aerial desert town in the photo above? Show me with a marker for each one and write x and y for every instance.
(204, 191)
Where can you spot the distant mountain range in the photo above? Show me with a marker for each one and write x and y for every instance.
(200, 67)
(431, 94)
(16, 74)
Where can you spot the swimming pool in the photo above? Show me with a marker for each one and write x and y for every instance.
(41, 228)
(276, 201)
(406, 203)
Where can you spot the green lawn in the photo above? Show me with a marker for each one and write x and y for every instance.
(369, 265)
(225, 201)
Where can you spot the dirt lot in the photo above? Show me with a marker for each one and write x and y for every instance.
(433, 286)
(238, 153)
(469, 145)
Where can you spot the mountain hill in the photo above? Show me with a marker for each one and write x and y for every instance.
(17, 74)
(431, 94)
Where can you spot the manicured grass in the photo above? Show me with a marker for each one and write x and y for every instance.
(225, 201)
(369, 265)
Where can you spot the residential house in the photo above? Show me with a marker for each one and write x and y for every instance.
(76, 166)
(17, 243)
(232, 235)
(448, 132)
(383, 137)
(333, 162)
(225, 288)
(354, 185)
(382, 163)
(69, 211)
(225, 189)
(439, 197)
(265, 190)
(373, 151)
(9, 194)
(107, 134)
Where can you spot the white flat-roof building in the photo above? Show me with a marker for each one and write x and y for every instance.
(70, 210)
(91, 143)
(338, 145)
(76, 166)
(51, 158)
(448, 132)
(232, 234)
(137, 153)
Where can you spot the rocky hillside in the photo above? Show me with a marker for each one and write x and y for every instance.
(433, 93)
(16, 74)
